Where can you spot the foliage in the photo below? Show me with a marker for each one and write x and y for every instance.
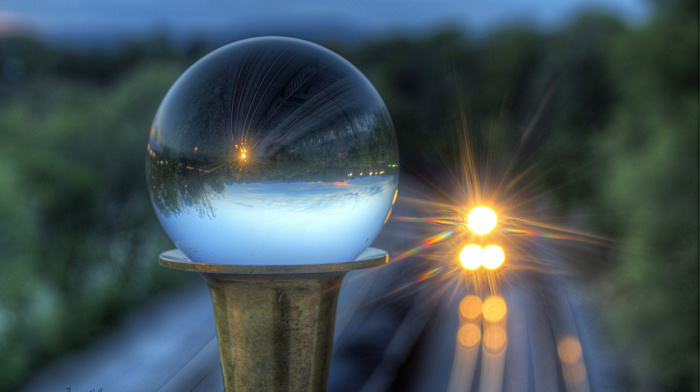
(650, 186)
(79, 237)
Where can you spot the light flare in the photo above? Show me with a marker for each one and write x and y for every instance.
(438, 271)
(519, 226)
(424, 245)
(474, 256)
(482, 220)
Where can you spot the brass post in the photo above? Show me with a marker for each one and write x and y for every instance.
(274, 323)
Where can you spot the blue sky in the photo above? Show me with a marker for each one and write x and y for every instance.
(92, 19)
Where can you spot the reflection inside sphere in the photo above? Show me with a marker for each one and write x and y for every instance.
(272, 151)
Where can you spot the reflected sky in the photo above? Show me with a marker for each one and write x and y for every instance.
(336, 221)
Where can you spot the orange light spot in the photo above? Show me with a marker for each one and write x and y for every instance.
(494, 309)
(569, 350)
(470, 307)
(495, 339)
(469, 335)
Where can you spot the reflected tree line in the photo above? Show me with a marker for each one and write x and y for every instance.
(265, 111)
(333, 155)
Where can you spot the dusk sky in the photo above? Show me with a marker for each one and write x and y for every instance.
(61, 21)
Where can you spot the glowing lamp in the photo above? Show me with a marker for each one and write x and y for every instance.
(493, 257)
(481, 220)
(474, 256)
(471, 256)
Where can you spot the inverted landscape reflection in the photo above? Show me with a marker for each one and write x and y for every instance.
(336, 220)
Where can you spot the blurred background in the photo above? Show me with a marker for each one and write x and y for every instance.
(606, 91)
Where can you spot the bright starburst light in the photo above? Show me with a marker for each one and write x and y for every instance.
(459, 241)
(481, 220)
(493, 257)
(471, 256)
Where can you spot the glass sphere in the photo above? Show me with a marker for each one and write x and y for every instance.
(272, 151)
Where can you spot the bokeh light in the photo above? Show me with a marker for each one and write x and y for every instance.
(493, 257)
(494, 339)
(573, 368)
(470, 307)
(471, 256)
(481, 220)
(469, 335)
(494, 309)
(569, 350)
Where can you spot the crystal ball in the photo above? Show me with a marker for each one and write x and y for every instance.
(272, 151)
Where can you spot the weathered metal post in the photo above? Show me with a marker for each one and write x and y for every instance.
(275, 323)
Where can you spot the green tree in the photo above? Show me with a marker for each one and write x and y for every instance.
(78, 234)
(649, 189)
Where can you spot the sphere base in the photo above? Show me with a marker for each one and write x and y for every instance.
(275, 323)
